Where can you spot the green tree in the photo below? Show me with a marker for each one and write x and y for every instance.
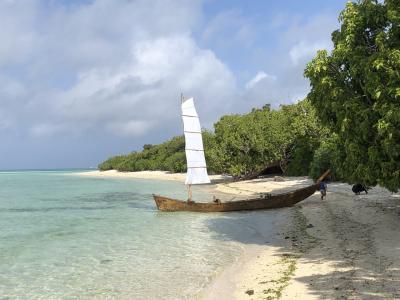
(241, 142)
(326, 157)
(247, 143)
(302, 135)
(356, 91)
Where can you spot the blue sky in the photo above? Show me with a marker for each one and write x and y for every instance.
(83, 80)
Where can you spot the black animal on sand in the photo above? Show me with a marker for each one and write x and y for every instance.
(358, 188)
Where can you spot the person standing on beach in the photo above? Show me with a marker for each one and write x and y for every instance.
(322, 188)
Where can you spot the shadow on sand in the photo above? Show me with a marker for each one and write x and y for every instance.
(359, 268)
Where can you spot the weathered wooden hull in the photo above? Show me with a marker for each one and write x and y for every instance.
(268, 202)
(273, 201)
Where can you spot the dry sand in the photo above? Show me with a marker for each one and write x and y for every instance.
(157, 175)
(344, 247)
(271, 185)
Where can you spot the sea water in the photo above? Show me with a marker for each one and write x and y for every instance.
(64, 236)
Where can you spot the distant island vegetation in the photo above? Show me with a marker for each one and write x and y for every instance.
(349, 122)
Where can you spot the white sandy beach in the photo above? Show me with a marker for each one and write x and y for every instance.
(157, 175)
(257, 186)
(351, 250)
(344, 247)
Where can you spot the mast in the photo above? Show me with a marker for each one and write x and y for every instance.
(189, 193)
(189, 186)
(196, 163)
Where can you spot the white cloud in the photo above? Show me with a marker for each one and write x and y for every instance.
(304, 39)
(46, 130)
(299, 40)
(149, 85)
(304, 50)
(261, 75)
(130, 128)
(110, 69)
(86, 72)
(17, 36)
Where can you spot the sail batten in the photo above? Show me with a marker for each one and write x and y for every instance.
(196, 162)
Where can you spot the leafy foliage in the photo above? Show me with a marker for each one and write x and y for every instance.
(168, 156)
(262, 137)
(240, 145)
(356, 91)
(325, 157)
(303, 155)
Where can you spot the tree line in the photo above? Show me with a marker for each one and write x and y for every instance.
(241, 144)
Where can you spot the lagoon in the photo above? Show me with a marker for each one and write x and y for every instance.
(65, 236)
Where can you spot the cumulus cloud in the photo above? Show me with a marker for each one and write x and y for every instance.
(115, 69)
(87, 73)
(81, 71)
(147, 88)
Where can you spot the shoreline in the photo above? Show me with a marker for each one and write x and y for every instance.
(345, 246)
(155, 175)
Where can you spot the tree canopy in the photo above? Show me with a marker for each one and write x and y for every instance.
(247, 143)
(356, 91)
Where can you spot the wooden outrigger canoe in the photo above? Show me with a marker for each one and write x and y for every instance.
(267, 201)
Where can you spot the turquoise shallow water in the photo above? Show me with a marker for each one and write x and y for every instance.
(66, 237)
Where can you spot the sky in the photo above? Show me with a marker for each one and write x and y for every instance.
(81, 81)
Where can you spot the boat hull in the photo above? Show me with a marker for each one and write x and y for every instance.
(268, 202)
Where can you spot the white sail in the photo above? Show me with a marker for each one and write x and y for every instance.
(196, 162)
